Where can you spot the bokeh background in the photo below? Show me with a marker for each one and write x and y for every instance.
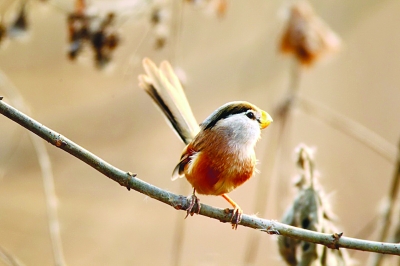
(233, 57)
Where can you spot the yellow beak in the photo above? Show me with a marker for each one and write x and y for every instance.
(265, 120)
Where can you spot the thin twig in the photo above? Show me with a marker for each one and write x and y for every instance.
(47, 175)
(396, 235)
(176, 38)
(179, 202)
(176, 29)
(388, 211)
(275, 148)
(179, 233)
(51, 199)
(349, 127)
(8, 259)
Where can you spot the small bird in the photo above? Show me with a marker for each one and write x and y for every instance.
(219, 155)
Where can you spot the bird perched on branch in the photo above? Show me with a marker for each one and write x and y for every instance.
(219, 155)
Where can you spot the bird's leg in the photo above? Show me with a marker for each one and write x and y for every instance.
(194, 200)
(237, 212)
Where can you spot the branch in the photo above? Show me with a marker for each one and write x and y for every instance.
(179, 202)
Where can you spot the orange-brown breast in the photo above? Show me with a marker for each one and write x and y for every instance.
(217, 170)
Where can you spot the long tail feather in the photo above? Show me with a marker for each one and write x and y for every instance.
(164, 88)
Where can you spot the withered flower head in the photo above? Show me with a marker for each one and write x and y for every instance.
(306, 35)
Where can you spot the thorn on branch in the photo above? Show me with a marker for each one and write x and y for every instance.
(336, 238)
(127, 183)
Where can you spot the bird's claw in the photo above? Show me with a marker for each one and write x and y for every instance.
(194, 200)
(236, 217)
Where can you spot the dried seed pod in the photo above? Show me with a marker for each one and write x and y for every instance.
(306, 36)
(155, 17)
(99, 33)
(78, 32)
(78, 29)
(160, 20)
(104, 41)
(160, 43)
(307, 213)
(309, 210)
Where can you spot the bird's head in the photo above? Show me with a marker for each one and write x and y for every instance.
(239, 121)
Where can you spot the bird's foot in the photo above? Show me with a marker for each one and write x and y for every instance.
(236, 213)
(236, 217)
(194, 201)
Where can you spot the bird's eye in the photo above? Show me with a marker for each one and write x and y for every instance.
(250, 115)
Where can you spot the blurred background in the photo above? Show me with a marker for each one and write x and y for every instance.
(222, 53)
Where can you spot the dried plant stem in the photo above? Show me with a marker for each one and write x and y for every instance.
(9, 259)
(396, 237)
(283, 113)
(180, 225)
(47, 175)
(51, 199)
(267, 185)
(295, 78)
(349, 127)
(352, 129)
(178, 9)
(389, 208)
(179, 232)
(179, 202)
(265, 181)
(368, 228)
